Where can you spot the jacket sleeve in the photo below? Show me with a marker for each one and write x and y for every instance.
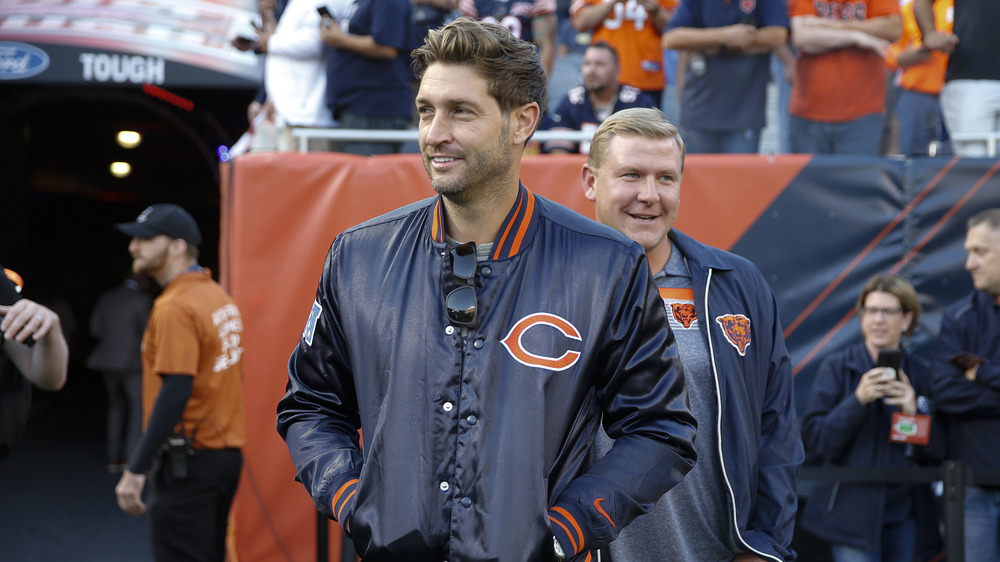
(781, 453)
(318, 416)
(953, 393)
(641, 390)
(833, 415)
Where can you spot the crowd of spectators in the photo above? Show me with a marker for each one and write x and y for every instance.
(839, 79)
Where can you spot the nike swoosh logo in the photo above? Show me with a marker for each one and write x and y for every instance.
(597, 506)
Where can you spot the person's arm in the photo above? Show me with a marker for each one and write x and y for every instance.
(45, 363)
(645, 411)
(543, 33)
(781, 450)
(814, 35)
(168, 409)
(737, 36)
(953, 392)
(318, 417)
(923, 12)
(733, 39)
(787, 59)
(331, 34)
(833, 414)
(911, 56)
(589, 17)
(888, 28)
(656, 14)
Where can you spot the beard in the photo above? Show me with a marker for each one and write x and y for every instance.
(149, 264)
(482, 168)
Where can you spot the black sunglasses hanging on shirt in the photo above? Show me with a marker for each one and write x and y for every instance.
(461, 301)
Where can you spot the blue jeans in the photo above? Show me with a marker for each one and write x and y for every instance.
(919, 117)
(737, 141)
(898, 545)
(982, 524)
(860, 136)
(368, 148)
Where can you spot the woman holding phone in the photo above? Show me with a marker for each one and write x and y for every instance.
(848, 421)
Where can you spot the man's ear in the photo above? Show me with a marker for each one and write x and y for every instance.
(525, 120)
(589, 180)
(178, 247)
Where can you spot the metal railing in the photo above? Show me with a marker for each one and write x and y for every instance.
(953, 474)
(991, 140)
(304, 134)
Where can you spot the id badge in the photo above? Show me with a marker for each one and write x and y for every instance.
(914, 429)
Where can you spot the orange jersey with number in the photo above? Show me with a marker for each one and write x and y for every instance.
(630, 30)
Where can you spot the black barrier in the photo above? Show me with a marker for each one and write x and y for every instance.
(953, 474)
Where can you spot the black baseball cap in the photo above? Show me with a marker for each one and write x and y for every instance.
(164, 218)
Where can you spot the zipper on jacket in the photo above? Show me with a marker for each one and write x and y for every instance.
(718, 427)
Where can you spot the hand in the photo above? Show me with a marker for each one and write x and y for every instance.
(747, 557)
(874, 44)
(874, 385)
(27, 319)
(738, 36)
(129, 492)
(243, 44)
(330, 32)
(900, 393)
(650, 6)
(263, 36)
(944, 42)
(253, 109)
(790, 73)
(970, 372)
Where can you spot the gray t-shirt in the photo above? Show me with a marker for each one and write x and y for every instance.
(690, 522)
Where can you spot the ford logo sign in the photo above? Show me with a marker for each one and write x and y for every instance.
(19, 60)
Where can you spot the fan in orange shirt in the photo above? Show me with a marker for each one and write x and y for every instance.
(920, 79)
(839, 92)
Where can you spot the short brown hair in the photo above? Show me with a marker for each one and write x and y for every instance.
(636, 121)
(897, 287)
(990, 217)
(513, 70)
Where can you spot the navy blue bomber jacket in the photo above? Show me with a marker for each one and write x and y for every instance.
(759, 439)
(479, 443)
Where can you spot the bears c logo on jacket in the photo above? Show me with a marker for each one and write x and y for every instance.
(736, 327)
(514, 346)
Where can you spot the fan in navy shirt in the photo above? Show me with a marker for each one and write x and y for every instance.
(587, 106)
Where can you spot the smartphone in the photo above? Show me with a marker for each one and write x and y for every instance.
(324, 12)
(966, 360)
(892, 358)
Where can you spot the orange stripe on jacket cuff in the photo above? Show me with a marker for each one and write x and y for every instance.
(340, 492)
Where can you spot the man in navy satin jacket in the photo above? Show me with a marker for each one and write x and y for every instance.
(478, 339)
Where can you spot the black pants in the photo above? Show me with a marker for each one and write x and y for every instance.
(187, 518)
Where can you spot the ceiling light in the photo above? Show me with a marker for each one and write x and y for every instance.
(120, 169)
(129, 139)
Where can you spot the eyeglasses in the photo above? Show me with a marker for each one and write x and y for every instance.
(874, 311)
(461, 301)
